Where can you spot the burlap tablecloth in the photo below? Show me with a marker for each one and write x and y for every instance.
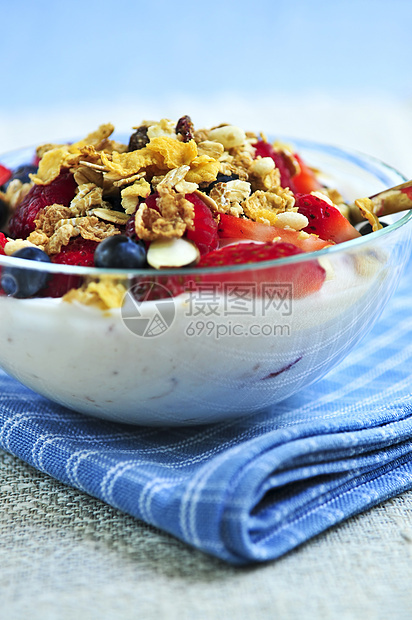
(66, 555)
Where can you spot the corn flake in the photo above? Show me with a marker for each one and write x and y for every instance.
(265, 206)
(132, 194)
(48, 218)
(106, 294)
(60, 238)
(172, 153)
(88, 196)
(50, 166)
(94, 229)
(203, 169)
(93, 139)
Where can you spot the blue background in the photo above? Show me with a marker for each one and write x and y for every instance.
(56, 52)
(312, 69)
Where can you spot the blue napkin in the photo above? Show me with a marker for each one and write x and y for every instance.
(250, 490)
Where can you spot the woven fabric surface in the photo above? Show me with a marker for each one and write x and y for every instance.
(253, 489)
(66, 555)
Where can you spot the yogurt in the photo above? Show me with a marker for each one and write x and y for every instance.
(198, 369)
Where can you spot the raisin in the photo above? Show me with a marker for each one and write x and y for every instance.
(185, 128)
(139, 139)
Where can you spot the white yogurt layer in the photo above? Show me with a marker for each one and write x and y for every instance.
(92, 362)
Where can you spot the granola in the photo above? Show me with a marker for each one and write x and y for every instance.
(148, 189)
(156, 153)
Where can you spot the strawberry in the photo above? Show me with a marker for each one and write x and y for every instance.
(3, 241)
(204, 233)
(158, 287)
(407, 191)
(5, 174)
(79, 252)
(325, 219)
(264, 149)
(60, 191)
(306, 277)
(305, 180)
(231, 227)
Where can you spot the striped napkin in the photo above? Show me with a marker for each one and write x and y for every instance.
(248, 490)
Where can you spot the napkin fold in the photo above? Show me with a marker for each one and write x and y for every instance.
(252, 489)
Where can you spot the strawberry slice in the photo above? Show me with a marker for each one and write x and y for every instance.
(325, 220)
(3, 241)
(305, 181)
(145, 288)
(79, 252)
(306, 277)
(5, 174)
(204, 233)
(264, 149)
(60, 191)
(407, 191)
(232, 227)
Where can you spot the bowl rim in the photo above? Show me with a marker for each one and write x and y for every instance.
(358, 158)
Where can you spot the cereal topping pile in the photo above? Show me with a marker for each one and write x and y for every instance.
(170, 197)
(172, 159)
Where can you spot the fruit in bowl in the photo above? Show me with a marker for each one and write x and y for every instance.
(180, 276)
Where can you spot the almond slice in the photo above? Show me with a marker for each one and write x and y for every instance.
(170, 253)
(110, 215)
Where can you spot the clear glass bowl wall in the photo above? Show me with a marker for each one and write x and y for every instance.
(101, 364)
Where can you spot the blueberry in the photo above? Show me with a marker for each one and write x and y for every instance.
(120, 252)
(20, 282)
(22, 174)
(366, 229)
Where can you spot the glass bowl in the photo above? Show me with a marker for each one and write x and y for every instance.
(198, 346)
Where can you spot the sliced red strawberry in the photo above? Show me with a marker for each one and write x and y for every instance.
(325, 220)
(3, 241)
(147, 288)
(305, 180)
(264, 149)
(231, 227)
(79, 252)
(5, 174)
(306, 277)
(407, 191)
(204, 233)
(60, 191)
